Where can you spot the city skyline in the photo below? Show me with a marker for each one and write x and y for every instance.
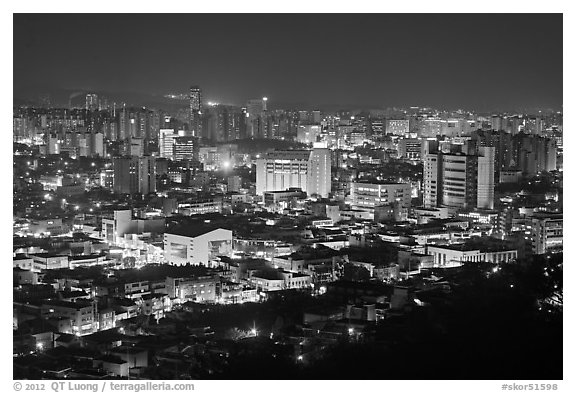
(287, 197)
(495, 61)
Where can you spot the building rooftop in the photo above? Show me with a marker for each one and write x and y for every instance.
(289, 190)
(72, 294)
(21, 257)
(77, 305)
(380, 182)
(112, 359)
(85, 257)
(48, 255)
(268, 274)
(482, 245)
(288, 155)
(192, 231)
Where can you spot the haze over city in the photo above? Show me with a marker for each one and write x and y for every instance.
(472, 61)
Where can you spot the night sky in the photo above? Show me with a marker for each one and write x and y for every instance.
(472, 61)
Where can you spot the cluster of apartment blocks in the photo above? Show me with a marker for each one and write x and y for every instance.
(544, 234)
(542, 230)
(210, 247)
(75, 310)
(82, 307)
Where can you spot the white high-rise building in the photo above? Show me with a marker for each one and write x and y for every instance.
(309, 170)
(166, 142)
(546, 233)
(459, 180)
(486, 177)
(431, 177)
(98, 144)
(319, 173)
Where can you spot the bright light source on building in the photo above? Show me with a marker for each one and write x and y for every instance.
(351, 331)
(300, 357)
(39, 346)
(226, 164)
(264, 98)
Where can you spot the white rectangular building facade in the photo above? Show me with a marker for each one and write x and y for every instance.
(444, 256)
(370, 195)
(547, 234)
(309, 170)
(459, 180)
(200, 249)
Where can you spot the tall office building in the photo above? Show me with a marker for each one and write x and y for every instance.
(497, 123)
(196, 110)
(309, 170)
(195, 99)
(410, 148)
(223, 123)
(134, 175)
(485, 190)
(185, 148)
(533, 125)
(398, 127)
(546, 233)
(532, 154)
(377, 128)
(166, 142)
(514, 123)
(319, 172)
(316, 116)
(256, 111)
(135, 147)
(502, 142)
(462, 180)
(97, 144)
(92, 102)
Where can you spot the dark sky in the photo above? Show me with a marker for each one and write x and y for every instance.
(474, 61)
